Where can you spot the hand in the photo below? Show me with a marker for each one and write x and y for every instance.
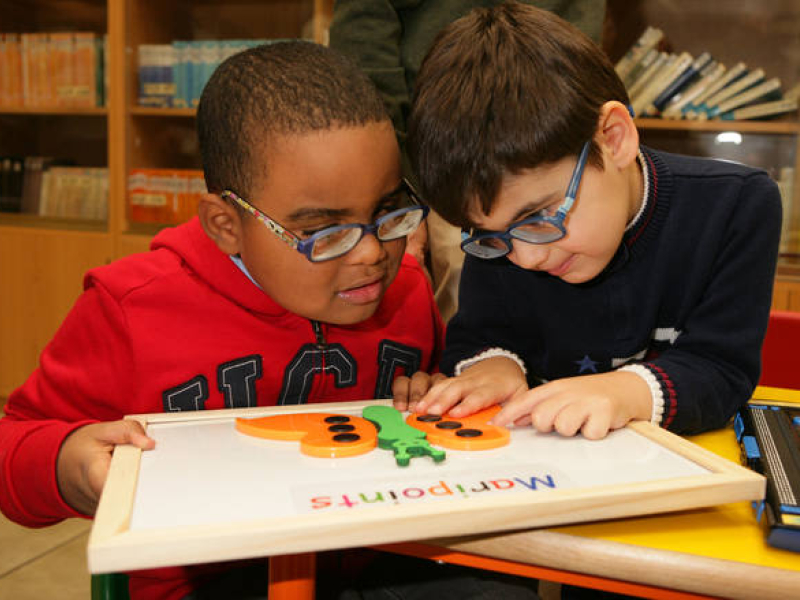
(592, 404)
(488, 382)
(407, 391)
(84, 458)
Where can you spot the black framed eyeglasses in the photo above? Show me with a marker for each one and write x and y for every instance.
(538, 229)
(333, 242)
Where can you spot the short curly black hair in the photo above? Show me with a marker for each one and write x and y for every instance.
(285, 87)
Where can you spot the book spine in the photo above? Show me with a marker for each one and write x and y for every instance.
(731, 90)
(84, 64)
(61, 72)
(179, 74)
(699, 105)
(766, 109)
(707, 77)
(686, 77)
(662, 80)
(649, 38)
(756, 92)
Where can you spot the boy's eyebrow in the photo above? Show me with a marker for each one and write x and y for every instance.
(316, 213)
(308, 213)
(533, 206)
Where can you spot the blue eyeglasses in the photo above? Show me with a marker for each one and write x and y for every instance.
(333, 242)
(538, 229)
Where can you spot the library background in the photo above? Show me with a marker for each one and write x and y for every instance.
(98, 149)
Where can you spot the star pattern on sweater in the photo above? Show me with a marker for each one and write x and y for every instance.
(586, 364)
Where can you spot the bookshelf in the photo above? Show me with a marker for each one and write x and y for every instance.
(761, 35)
(42, 260)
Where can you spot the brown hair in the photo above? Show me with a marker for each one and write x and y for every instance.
(503, 89)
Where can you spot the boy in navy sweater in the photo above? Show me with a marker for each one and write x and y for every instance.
(604, 281)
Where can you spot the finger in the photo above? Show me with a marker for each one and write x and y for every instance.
(420, 384)
(571, 418)
(520, 406)
(400, 393)
(597, 425)
(433, 395)
(444, 397)
(127, 431)
(475, 401)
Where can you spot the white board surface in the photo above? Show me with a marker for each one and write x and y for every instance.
(209, 492)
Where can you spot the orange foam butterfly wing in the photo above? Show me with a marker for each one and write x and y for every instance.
(324, 435)
(468, 433)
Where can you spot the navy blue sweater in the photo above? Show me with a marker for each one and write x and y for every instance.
(687, 295)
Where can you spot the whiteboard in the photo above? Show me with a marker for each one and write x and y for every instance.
(208, 492)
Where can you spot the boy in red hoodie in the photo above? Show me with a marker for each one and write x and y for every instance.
(290, 287)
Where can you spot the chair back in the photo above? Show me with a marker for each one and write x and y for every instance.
(780, 355)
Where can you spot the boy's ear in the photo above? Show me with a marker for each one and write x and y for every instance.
(222, 222)
(617, 134)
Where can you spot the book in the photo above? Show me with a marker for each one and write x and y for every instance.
(767, 90)
(648, 39)
(713, 71)
(761, 110)
(729, 91)
(11, 172)
(62, 52)
(647, 74)
(684, 78)
(785, 183)
(662, 79)
(84, 66)
(736, 72)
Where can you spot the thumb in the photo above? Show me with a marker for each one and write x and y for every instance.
(127, 431)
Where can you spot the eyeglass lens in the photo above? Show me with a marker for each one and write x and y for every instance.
(392, 226)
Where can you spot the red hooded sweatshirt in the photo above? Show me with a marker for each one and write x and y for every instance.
(183, 328)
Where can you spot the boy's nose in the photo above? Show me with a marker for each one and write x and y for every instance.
(528, 256)
(368, 250)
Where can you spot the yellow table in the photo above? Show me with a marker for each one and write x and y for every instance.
(712, 552)
(717, 552)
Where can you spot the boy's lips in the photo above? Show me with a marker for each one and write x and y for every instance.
(363, 293)
(563, 267)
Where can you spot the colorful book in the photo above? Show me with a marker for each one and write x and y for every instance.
(733, 74)
(649, 39)
(662, 80)
(712, 72)
(684, 79)
(729, 91)
(766, 91)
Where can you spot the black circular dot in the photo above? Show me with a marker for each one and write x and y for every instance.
(448, 425)
(469, 433)
(337, 419)
(341, 427)
(346, 437)
(429, 418)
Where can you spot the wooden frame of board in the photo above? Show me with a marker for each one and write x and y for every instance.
(115, 546)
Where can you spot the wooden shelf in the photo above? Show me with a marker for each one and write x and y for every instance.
(774, 127)
(99, 111)
(152, 111)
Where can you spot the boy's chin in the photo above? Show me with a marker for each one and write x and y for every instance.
(351, 314)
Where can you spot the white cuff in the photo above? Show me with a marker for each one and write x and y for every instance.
(490, 353)
(656, 394)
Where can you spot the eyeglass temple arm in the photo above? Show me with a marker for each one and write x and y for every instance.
(572, 190)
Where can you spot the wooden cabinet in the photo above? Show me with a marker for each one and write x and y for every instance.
(42, 260)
